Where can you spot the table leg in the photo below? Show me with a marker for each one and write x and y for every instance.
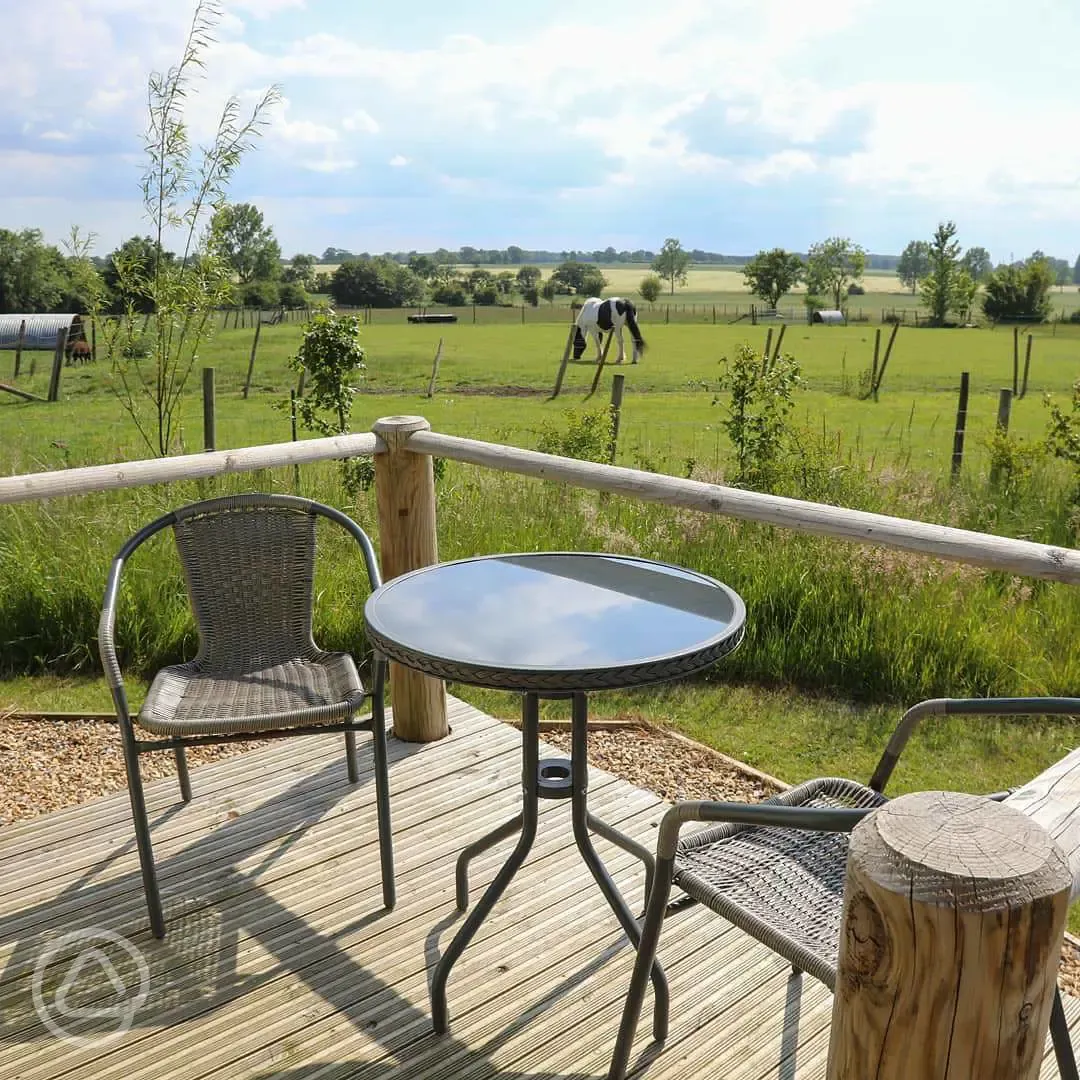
(530, 760)
(581, 816)
(515, 824)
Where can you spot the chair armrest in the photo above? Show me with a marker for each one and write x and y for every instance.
(110, 663)
(814, 818)
(1015, 706)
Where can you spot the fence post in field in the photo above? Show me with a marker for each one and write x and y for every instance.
(877, 351)
(1027, 365)
(254, 349)
(19, 342)
(57, 365)
(1005, 396)
(209, 413)
(600, 364)
(405, 497)
(562, 365)
(617, 384)
(714, 314)
(767, 354)
(779, 342)
(435, 369)
(93, 341)
(1016, 359)
(885, 360)
(961, 424)
(954, 914)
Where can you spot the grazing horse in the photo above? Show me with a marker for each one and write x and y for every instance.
(598, 316)
(78, 352)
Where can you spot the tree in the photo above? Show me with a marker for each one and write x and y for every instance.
(152, 361)
(672, 263)
(301, 271)
(771, 274)
(914, 264)
(1019, 292)
(378, 283)
(1076, 271)
(977, 262)
(939, 285)
(963, 293)
(528, 277)
(247, 243)
(337, 255)
(650, 288)
(832, 265)
(549, 290)
(423, 266)
(578, 278)
(33, 275)
(139, 255)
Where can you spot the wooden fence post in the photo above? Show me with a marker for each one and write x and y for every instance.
(1005, 396)
(1027, 366)
(617, 384)
(1016, 359)
(209, 410)
(954, 914)
(565, 360)
(19, 342)
(251, 362)
(877, 354)
(93, 341)
(435, 368)
(600, 364)
(405, 496)
(961, 424)
(57, 365)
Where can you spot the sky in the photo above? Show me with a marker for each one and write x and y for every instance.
(733, 125)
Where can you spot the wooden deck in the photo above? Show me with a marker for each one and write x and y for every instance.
(281, 963)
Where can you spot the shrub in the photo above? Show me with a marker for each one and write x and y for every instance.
(292, 295)
(1015, 293)
(486, 294)
(587, 436)
(855, 289)
(450, 295)
(258, 294)
(650, 288)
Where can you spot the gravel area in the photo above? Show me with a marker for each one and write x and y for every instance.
(47, 765)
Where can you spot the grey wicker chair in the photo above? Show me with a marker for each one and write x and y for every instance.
(776, 869)
(249, 562)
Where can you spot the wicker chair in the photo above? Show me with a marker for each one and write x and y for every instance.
(776, 869)
(249, 561)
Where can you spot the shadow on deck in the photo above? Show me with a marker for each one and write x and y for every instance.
(280, 961)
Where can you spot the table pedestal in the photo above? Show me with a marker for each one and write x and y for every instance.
(551, 778)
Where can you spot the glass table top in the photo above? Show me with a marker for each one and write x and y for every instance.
(552, 612)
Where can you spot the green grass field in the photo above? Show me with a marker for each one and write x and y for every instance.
(841, 637)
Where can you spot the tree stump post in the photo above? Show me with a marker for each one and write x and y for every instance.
(405, 496)
(954, 912)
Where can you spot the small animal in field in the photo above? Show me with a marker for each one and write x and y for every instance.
(599, 316)
(78, 352)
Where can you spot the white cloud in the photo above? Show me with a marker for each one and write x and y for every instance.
(398, 160)
(361, 121)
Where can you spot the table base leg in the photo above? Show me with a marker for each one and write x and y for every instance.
(510, 827)
(530, 735)
(612, 835)
(581, 816)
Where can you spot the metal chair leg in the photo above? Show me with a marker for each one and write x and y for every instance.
(382, 801)
(182, 773)
(350, 757)
(655, 909)
(1059, 1033)
(142, 830)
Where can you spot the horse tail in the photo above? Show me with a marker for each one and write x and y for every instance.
(632, 326)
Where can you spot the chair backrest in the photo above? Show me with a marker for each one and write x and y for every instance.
(249, 561)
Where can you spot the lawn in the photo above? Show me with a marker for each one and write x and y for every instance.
(842, 637)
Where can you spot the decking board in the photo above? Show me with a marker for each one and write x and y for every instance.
(281, 963)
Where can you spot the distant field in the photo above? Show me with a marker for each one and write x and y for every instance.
(724, 285)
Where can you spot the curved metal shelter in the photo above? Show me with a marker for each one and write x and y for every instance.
(830, 317)
(41, 330)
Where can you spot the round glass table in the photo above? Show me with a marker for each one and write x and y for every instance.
(552, 625)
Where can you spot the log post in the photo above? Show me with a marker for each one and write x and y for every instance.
(254, 350)
(961, 425)
(209, 409)
(405, 497)
(57, 366)
(954, 913)
(20, 341)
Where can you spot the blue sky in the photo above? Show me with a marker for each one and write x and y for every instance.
(731, 124)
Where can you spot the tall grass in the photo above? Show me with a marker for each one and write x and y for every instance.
(823, 615)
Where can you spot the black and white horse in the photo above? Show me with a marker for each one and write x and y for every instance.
(598, 316)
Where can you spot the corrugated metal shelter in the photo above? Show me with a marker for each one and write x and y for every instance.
(831, 317)
(41, 331)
